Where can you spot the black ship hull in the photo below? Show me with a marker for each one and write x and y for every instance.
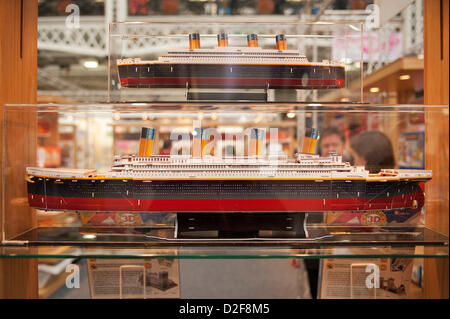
(265, 195)
(173, 75)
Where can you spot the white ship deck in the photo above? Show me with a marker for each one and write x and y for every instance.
(232, 55)
(62, 172)
(305, 167)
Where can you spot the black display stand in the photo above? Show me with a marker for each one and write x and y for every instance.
(241, 225)
(260, 95)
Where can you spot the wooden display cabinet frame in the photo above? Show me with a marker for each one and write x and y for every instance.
(435, 15)
(18, 84)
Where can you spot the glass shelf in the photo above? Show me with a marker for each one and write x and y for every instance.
(334, 242)
(222, 252)
(319, 235)
(103, 109)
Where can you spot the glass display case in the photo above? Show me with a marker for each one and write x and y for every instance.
(234, 160)
(218, 146)
(240, 60)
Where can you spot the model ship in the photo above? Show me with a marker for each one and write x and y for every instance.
(159, 280)
(232, 67)
(201, 183)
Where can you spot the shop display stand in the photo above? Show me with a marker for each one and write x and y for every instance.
(193, 95)
(242, 225)
(237, 225)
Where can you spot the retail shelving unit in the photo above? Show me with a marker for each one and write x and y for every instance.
(363, 239)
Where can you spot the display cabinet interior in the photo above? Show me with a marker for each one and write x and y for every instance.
(208, 168)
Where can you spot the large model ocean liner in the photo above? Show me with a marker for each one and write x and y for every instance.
(197, 183)
(232, 67)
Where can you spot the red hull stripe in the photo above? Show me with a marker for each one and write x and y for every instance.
(222, 205)
(210, 81)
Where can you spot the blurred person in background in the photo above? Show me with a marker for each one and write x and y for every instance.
(332, 139)
(373, 150)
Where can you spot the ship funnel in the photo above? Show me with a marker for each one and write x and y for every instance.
(194, 41)
(252, 40)
(199, 143)
(146, 142)
(256, 141)
(310, 141)
(281, 42)
(222, 40)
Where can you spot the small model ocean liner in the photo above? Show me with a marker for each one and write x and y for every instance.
(197, 183)
(159, 280)
(232, 67)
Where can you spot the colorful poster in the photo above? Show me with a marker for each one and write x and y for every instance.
(412, 150)
(374, 218)
(127, 219)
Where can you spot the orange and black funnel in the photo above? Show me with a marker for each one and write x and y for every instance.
(256, 141)
(310, 141)
(194, 41)
(281, 42)
(252, 40)
(222, 40)
(199, 142)
(146, 142)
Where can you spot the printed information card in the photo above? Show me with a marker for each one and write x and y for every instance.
(134, 278)
(365, 278)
